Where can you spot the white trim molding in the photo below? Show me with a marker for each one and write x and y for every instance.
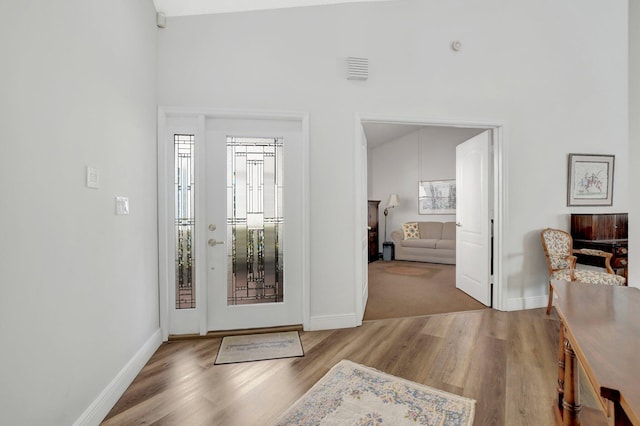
(521, 303)
(332, 322)
(101, 406)
(500, 191)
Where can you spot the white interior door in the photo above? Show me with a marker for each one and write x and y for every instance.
(473, 239)
(362, 273)
(254, 222)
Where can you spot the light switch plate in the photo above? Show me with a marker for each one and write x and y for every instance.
(122, 205)
(93, 178)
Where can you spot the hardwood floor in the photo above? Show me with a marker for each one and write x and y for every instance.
(504, 360)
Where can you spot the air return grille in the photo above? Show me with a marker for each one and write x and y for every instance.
(357, 68)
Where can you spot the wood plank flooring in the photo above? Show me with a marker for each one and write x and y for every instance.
(504, 360)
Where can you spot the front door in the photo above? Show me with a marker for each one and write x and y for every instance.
(473, 248)
(233, 214)
(254, 202)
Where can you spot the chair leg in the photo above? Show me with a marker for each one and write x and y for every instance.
(550, 299)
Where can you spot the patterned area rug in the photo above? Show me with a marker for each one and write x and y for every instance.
(352, 394)
(257, 347)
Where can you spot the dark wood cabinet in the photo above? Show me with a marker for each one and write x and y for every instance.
(606, 226)
(607, 232)
(373, 229)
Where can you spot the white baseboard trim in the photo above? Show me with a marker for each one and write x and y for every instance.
(99, 408)
(521, 303)
(330, 322)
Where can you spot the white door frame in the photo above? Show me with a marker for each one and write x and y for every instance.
(500, 191)
(165, 202)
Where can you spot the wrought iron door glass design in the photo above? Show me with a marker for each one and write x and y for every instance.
(255, 220)
(184, 193)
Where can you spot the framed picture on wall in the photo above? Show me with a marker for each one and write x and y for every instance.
(590, 180)
(437, 197)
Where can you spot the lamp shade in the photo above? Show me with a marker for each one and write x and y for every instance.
(394, 201)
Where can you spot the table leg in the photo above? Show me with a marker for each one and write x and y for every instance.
(620, 417)
(561, 367)
(571, 400)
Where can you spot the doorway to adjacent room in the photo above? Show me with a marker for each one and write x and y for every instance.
(413, 272)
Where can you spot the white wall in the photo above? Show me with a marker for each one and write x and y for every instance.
(555, 72)
(79, 284)
(398, 165)
(395, 167)
(634, 141)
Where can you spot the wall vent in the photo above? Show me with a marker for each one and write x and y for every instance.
(357, 68)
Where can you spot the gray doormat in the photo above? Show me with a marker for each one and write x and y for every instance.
(258, 347)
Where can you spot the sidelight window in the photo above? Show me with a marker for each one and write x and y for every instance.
(184, 146)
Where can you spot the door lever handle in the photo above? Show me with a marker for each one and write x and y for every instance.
(212, 242)
(458, 224)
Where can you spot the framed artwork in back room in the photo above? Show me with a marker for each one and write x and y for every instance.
(590, 180)
(437, 197)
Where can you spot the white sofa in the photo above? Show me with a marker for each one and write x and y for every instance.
(436, 243)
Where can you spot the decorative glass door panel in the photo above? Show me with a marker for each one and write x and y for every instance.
(255, 220)
(184, 193)
(250, 249)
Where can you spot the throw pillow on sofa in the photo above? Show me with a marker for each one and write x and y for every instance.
(410, 231)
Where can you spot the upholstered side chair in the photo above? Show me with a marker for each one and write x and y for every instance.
(561, 262)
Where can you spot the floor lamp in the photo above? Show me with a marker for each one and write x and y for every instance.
(394, 201)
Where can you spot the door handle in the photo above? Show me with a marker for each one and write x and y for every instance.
(458, 224)
(212, 242)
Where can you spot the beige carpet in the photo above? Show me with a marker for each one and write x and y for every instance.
(399, 289)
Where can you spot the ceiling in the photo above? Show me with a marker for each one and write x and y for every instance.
(204, 7)
(376, 133)
(380, 133)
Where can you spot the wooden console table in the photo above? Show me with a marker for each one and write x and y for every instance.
(600, 329)
(607, 232)
(618, 248)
